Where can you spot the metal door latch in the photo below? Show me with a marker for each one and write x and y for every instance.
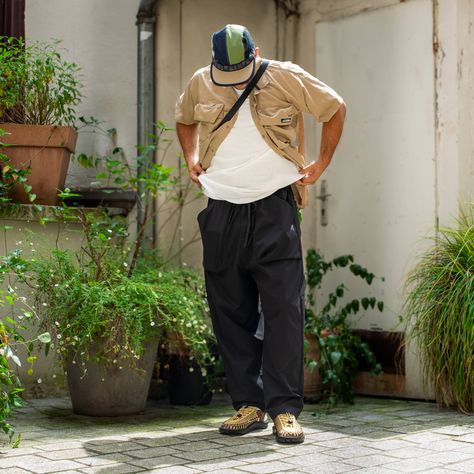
(324, 197)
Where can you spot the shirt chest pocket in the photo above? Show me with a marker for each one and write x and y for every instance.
(207, 114)
(281, 125)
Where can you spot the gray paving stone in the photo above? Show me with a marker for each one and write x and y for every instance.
(65, 454)
(267, 467)
(159, 462)
(439, 470)
(340, 442)
(152, 452)
(389, 444)
(371, 460)
(246, 448)
(310, 459)
(410, 465)
(53, 466)
(196, 446)
(113, 458)
(325, 436)
(329, 468)
(164, 441)
(455, 430)
(112, 469)
(15, 470)
(227, 471)
(448, 444)
(467, 466)
(114, 447)
(60, 446)
(19, 461)
(204, 455)
(410, 452)
(469, 438)
(352, 451)
(175, 470)
(218, 465)
(9, 452)
(375, 470)
(448, 457)
(425, 437)
(379, 435)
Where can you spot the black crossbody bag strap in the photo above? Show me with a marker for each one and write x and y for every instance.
(245, 94)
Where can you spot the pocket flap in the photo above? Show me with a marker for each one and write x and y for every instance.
(207, 112)
(280, 117)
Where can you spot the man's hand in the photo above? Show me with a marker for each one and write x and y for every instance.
(311, 173)
(195, 170)
(188, 137)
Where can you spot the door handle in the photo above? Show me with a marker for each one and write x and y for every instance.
(324, 198)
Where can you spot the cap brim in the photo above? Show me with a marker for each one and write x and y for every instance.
(232, 78)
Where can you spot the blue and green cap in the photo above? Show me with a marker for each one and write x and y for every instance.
(233, 56)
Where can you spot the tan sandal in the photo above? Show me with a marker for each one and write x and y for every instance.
(287, 429)
(247, 418)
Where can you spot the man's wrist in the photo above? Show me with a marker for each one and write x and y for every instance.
(191, 160)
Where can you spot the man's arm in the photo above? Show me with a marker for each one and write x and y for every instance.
(188, 138)
(330, 136)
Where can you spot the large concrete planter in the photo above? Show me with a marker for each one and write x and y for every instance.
(46, 148)
(108, 390)
(312, 380)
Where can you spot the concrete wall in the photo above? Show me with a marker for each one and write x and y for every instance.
(452, 150)
(100, 36)
(454, 61)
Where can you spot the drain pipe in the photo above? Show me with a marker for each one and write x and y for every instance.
(146, 20)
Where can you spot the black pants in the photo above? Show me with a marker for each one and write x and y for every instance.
(253, 250)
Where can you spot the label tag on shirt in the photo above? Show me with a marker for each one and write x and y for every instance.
(286, 120)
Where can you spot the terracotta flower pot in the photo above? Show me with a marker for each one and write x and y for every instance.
(312, 379)
(46, 148)
(109, 390)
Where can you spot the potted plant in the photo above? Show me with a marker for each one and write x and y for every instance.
(39, 91)
(108, 304)
(337, 351)
(438, 313)
(186, 354)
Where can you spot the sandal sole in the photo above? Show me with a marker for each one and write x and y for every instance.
(252, 427)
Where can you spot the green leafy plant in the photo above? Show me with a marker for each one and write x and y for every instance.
(113, 290)
(37, 85)
(340, 350)
(9, 176)
(12, 340)
(439, 313)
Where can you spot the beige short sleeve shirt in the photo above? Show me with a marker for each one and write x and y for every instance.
(284, 90)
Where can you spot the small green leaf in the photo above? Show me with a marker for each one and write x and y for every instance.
(45, 337)
(365, 303)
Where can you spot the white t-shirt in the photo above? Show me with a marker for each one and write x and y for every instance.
(244, 168)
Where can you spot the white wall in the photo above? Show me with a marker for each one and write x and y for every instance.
(100, 36)
(451, 154)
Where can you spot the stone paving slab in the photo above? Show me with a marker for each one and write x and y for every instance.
(374, 435)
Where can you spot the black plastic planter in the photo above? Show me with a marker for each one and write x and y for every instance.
(186, 383)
